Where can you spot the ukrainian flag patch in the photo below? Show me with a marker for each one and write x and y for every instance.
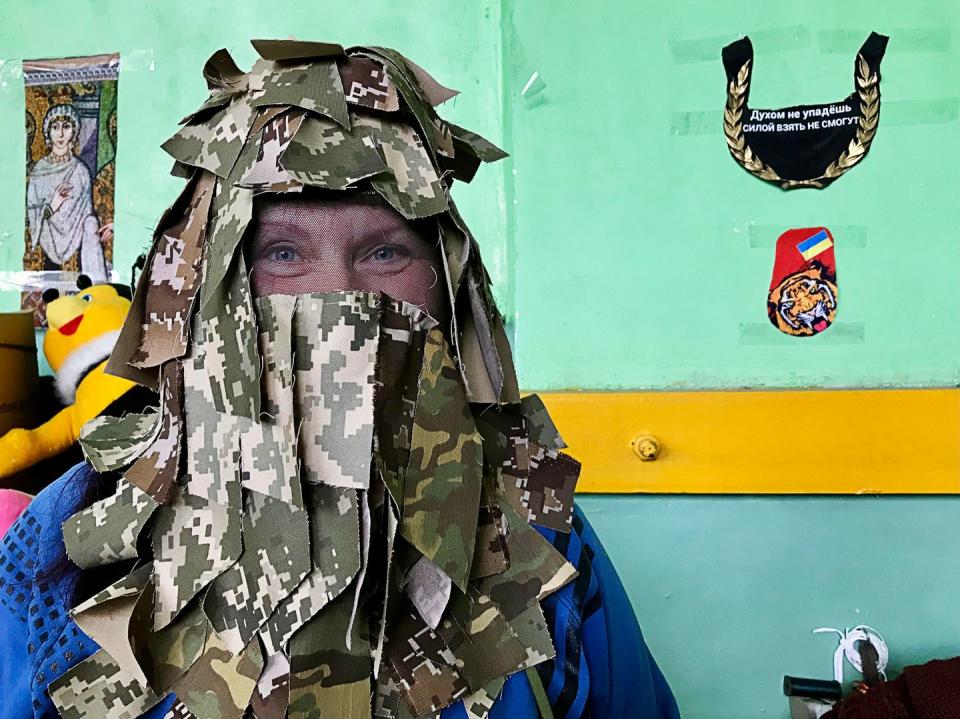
(814, 245)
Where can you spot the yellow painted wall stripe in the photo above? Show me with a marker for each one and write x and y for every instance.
(768, 442)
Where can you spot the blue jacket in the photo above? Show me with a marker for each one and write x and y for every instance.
(602, 669)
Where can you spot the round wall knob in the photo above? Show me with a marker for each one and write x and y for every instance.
(646, 447)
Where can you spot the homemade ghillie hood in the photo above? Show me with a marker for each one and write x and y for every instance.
(329, 514)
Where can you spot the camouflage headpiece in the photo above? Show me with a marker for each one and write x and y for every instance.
(330, 512)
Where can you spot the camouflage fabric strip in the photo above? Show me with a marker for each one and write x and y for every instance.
(216, 101)
(156, 471)
(212, 438)
(510, 391)
(272, 695)
(540, 427)
(445, 474)
(335, 560)
(173, 271)
(222, 74)
(469, 152)
(194, 541)
(219, 684)
(506, 446)
(340, 701)
(292, 50)
(367, 84)
(111, 621)
(423, 668)
(126, 586)
(400, 361)
(547, 494)
(484, 317)
(168, 654)
(437, 132)
(266, 115)
(380, 605)
(361, 590)
(266, 174)
(275, 560)
(111, 443)
(539, 482)
(313, 86)
(129, 341)
(433, 92)
(429, 591)
(490, 553)
(113, 625)
(414, 189)
(478, 704)
(335, 352)
(214, 143)
(536, 569)
(107, 530)
(326, 155)
(530, 628)
(229, 337)
(328, 673)
(479, 146)
(227, 320)
(456, 248)
(387, 696)
(268, 447)
(477, 634)
(98, 687)
(230, 214)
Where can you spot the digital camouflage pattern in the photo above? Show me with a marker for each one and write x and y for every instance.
(324, 154)
(175, 269)
(330, 512)
(107, 530)
(155, 471)
(98, 687)
(366, 83)
(110, 443)
(266, 174)
(334, 354)
(523, 448)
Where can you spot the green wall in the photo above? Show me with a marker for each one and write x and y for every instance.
(631, 252)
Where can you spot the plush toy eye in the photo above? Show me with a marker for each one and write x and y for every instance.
(87, 298)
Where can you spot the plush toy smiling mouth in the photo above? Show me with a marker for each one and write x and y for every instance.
(70, 327)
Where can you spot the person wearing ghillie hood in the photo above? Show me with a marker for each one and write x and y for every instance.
(341, 507)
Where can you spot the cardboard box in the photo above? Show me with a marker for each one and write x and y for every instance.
(19, 380)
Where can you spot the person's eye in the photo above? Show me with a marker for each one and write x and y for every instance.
(388, 257)
(384, 254)
(283, 254)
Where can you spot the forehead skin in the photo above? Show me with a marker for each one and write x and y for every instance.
(302, 244)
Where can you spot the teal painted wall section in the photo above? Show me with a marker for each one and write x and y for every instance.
(728, 589)
(631, 252)
(644, 252)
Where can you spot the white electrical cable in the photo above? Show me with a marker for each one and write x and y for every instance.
(847, 647)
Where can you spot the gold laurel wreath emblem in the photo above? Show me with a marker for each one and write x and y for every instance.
(869, 94)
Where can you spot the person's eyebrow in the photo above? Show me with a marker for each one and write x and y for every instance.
(269, 225)
(401, 232)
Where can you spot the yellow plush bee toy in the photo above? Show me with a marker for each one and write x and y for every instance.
(82, 330)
